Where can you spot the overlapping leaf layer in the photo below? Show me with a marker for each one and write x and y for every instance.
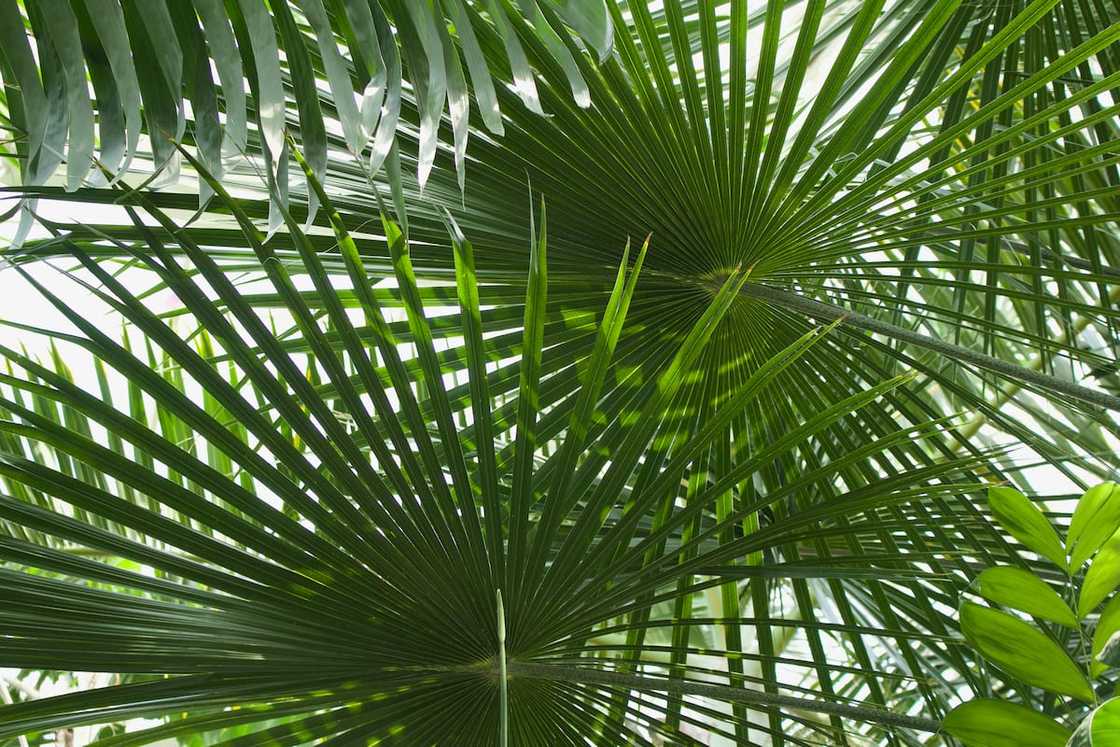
(330, 430)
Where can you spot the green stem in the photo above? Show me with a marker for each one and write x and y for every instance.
(1083, 652)
(503, 680)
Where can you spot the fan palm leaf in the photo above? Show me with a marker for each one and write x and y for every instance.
(404, 540)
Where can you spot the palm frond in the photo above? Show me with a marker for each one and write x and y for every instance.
(307, 584)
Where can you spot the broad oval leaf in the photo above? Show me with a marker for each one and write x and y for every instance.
(1023, 651)
(1101, 728)
(1096, 518)
(1022, 590)
(986, 722)
(1102, 577)
(1021, 518)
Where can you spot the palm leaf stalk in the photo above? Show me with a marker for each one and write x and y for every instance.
(673, 480)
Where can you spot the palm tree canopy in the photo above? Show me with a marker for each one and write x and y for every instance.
(726, 478)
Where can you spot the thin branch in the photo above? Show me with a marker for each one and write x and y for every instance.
(828, 312)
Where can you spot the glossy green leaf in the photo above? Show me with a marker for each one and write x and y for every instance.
(356, 126)
(1100, 728)
(458, 102)
(1102, 578)
(481, 80)
(985, 722)
(269, 89)
(63, 33)
(426, 54)
(1024, 521)
(523, 79)
(1023, 651)
(552, 41)
(1096, 518)
(223, 48)
(1108, 624)
(108, 20)
(1022, 590)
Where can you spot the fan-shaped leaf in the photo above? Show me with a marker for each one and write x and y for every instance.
(936, 178)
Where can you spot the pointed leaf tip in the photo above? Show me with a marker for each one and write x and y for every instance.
(1022, 590)
(501, 616)
(1025, 522)
(1096, 518)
